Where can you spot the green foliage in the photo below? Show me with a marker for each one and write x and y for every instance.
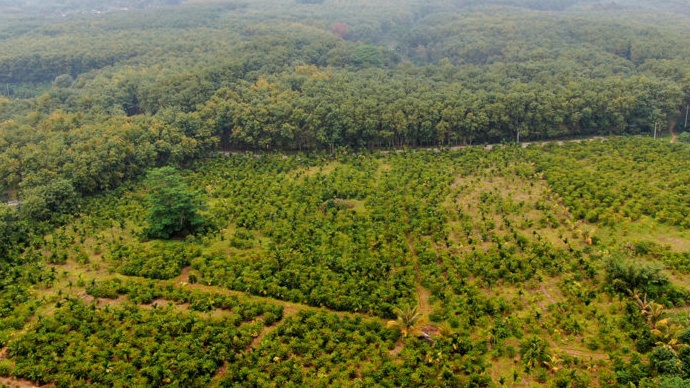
(76, 344)
(684, 337)
(17, 302)
(631, 180)
(632, 372)
(174, 210)
(318, 348)
(665, 362)
(12, 234)
(534, 352)
(148, 292)
(407, 319)
(480, 240)
(69, 157)
(626, 276)
(49, 201)
(6, 368)
(684, 137)
(475, 238)
(674, 382)
(153, 260)
(402, 77)
(327, 239)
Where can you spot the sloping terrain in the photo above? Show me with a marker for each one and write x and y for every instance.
(309, 257)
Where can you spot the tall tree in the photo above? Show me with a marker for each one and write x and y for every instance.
(173, 208)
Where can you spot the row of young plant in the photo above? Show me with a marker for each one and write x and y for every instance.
(146, 292)
(82, 345)
(337, 235)
(502, 252)
(322, 349)
(489, 248)
(479, 229)
(623, 179)
(158, 344)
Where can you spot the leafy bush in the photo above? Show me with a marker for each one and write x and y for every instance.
(5, 368)
(626, 276)
(684, 137)
(665, 362)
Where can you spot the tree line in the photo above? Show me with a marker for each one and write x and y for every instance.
(101, 108)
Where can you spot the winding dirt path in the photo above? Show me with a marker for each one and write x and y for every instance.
(423, 294)
(287, 312)
(487, 147)
(424, 307)
(674, 136)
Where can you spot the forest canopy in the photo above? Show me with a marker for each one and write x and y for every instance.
(147, 84)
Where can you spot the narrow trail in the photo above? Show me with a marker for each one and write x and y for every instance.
(674, 136)
(583, 355)
(14, 383)
(415, 260)
(488, 147)
(424, 307)
(287, 313)
(257, 340)
(423, 294)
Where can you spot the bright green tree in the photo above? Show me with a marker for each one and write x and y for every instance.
(174, 210)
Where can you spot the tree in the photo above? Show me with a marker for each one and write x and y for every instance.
(534, 352)
(408, 319)
(654, 314)
(664, 361)
(10, 231)
(174, 209)
(49, 201)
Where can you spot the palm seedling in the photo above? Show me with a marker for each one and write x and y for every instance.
(408, 319)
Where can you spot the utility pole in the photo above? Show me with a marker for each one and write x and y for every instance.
(518, 136)
(655, 125)
(686, 117)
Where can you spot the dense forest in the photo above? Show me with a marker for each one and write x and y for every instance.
(119, 89)
(344, 193)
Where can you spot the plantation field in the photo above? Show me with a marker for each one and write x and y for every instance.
(293, 193)
(562, 265)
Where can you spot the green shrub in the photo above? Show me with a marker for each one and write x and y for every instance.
(5, 368)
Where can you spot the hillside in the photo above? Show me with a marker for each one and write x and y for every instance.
(304, 260)
(332, 193)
